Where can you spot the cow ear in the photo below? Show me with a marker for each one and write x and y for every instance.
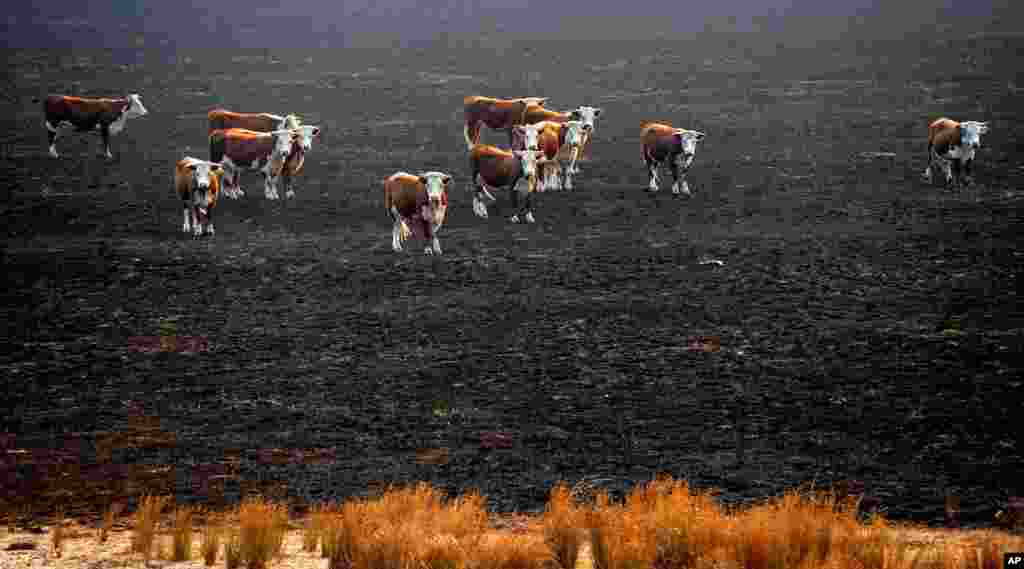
(597, 112)
(699, 135)
(446, 179)
(316, 131)
(193, 166)
(575, 115)
(423, 180)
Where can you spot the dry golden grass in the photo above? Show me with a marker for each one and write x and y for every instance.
(210, 538)
(146, 518)
(57, 536)
(109, 515)
(262, 526)
(182, 541)
(659, 525)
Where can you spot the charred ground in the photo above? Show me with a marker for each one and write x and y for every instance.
(868, 321)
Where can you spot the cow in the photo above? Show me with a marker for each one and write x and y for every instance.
(952, 144)
(494, 168)
(664, 143)
(497, 114)
(302, 143)
(586, 115)
(223, 119)
(197, 183)
(524, 136)
(418, 201)
(239, 148)
(552, 139)
(108, 116)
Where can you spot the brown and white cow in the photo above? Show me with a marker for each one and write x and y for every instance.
(417, 201)
(497, 114)
(584, 114)
(237, 149)
(223, 119)
(495, 168)
(108, 116)
(664, 143)
(953, 144)
(552, 139)
(197, 183)
(302, 144)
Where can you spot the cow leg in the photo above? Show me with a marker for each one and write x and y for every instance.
(105, 131)
(396, 235)
(556, 174)
(968, 178)
(289, 191)
(270, 187)
(51, 137)
(529, 207)
(954, 166)
(209, 221)
(197, 228)
(471, 133)
(928, 168)
(652, 175)
(515, 202)
(186, 225)
(568, 178)
(679, 185)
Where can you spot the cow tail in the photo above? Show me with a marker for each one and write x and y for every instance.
(388, 201)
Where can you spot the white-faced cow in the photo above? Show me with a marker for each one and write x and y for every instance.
(107, 116)
(494, 168)
(553, 137)
(419, 202)
(302, 144)
(952, 144)
(237, 149)
(497, 114)
(676, 146)
(223, 119)
(197, 183)
(585, 115)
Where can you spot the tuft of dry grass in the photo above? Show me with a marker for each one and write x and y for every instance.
(109, 515)
(563, 522)
(510, 551)
(146, 518)
(210, 539)
(182, 541)
(57, 536)
(262, 526)
(233, 551)
(342, 528)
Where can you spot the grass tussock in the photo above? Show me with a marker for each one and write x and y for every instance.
(182, 540)
(262, 526)
(233, 551)
(563, 524)
(109, 515)
(146, 518)
(58, 535)
(210, 539)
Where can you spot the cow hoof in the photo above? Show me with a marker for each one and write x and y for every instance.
(529, 218)
(514, 219)
(289, 194)
(428, 251)
(186, 228)
(396, 248)
(209, 231)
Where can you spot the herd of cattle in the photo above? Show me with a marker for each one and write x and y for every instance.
(417, 204)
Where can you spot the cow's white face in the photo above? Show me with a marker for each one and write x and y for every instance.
(573, 133)
(528, 161)
(282, 144)
(527, 135)
(688, 140)
(304, 136)
(586, 115)
(436, 184)
(538, 101)
(291, 122)
(135, 108)
(970, 133)
(202, 176)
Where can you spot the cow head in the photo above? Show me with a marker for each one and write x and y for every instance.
(290, 122)
(970, 133)
(687, 141)
(283, 140)
(135, 108)
(585, 115)
(203, 174)
(436, 184)
(534, 101)
(304, 135)
(573, 133)
(524, 136)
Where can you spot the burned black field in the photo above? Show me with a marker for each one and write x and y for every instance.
(868, 321)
